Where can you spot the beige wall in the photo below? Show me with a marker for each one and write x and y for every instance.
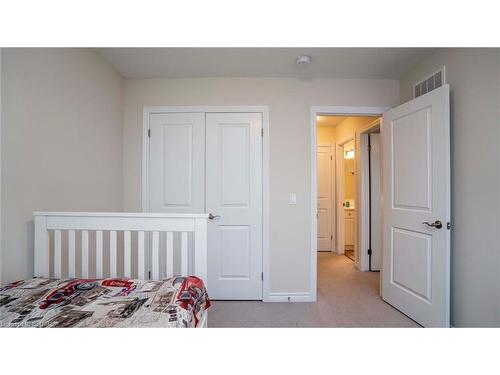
(474, 78)
(289, 101)
(61, 142)
(351, 125)
(325, 135)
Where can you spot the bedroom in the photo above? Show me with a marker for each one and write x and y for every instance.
(96, 120)
(150, 163)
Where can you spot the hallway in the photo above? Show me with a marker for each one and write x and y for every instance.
(346, 298)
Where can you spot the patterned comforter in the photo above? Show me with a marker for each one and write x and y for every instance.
(176, 302)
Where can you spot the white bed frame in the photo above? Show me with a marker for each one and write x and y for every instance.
(148, 227)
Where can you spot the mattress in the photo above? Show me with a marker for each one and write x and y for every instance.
(176, 302)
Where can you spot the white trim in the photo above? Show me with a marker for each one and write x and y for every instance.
(207, 109)
(316, 111)
(363, 201)
(361, 206)
(289, 297)
(266, 183)
(119, 214)
(348, 110)
(264, 109)
(314, 206)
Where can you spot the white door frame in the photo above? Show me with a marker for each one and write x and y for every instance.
(362, 180)
(316, 111)
(264, 109)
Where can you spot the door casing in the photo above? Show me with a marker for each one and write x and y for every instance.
(362, 180)
(264, 109)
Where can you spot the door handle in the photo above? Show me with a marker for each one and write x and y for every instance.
(437, 224)
(213, 217)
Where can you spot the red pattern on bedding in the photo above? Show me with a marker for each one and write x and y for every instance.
(175, 302)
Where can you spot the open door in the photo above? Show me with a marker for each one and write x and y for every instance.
(416, 208)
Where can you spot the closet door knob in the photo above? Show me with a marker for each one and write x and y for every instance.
(213, 217)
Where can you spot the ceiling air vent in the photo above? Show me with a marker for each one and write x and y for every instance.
(429, 83)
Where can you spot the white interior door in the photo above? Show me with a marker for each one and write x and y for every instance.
(177, 163)
(375, 202)
(325, 198)
(234, 197)
(416, 183)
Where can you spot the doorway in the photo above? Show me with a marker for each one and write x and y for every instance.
(337, 163)
(214, 160)
(327, 131)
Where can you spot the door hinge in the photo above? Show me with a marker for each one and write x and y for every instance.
(331, 237)
(331, 157)
(262, 276)
(369, 251)
(448, 225)
(261, 132)
(149, 275)
(149, 133)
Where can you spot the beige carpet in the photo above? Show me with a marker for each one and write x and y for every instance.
(346, 298)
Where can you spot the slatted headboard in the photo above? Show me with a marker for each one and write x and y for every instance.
(51, 228)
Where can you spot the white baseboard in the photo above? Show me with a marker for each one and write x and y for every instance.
(289, 297)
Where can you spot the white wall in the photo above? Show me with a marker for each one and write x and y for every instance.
(474, 78)
(289, 101)
(62, 112)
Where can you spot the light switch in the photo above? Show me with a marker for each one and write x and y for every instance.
(292, 199)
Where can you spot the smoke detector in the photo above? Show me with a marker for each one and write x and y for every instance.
(303, 60)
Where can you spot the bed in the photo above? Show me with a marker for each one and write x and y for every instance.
(89, 283)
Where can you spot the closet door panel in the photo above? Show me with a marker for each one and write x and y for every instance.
(177, 163)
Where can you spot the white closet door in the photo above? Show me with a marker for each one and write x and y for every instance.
(234, 197)
(325, 198)
(177, 163)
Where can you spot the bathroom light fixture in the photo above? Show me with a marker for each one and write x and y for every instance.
(349, 154)
(303, 60)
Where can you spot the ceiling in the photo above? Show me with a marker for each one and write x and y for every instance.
(374, 63)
